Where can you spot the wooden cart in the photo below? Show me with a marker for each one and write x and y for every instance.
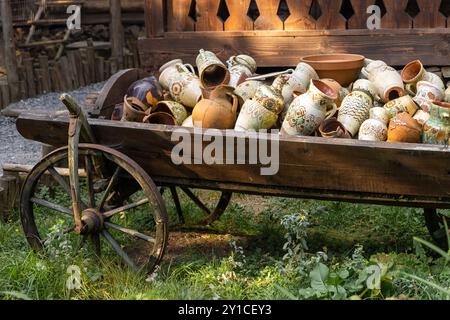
(116, 161)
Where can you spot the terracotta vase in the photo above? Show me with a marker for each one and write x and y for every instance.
(307, 112)
(427, 92)
(180, 79)
(147, 90)
(217, 110)
(343, 92)
(404, 128)
(386, 79)
(332, 128)
(247, 90)
(375, 128)
(402, 104)
(415, 72)
(437, 128)
(160, 118)
(355, 108)
(175, 109)
(241, 67)
(133, 110)
(211, 70)
(254, 116)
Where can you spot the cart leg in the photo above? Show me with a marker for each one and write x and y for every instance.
(176, 200)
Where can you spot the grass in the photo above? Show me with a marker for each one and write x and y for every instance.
(241, 257)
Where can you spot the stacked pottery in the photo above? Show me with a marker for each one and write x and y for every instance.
(241, 67)
(307, 112)
(437, 129)
(422, 117)
(133, 110)
(217, 110)
(356, 106)
(402, 104)
(174, 109)
(343, 92)
(414, 72)
(404, 128)
(263, 110)
(332, 128)
(211, 70)
(427, 92)
(180, 79)
(375, 128)
(247, 89)
(387, 80)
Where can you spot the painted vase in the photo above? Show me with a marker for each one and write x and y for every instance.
(437, 129)
(386, 79)
(307, 112)
(332, 128)
(212, 71)
(404, 128)
(175, 109)
(247, 90)
(147, 90)
(375, 128)
(355, 108)
(415, 72)
(427, 92)
(217, 110)
(254, 116)
(180, 79)
(271, 97)
(402, 104)
(241, 67)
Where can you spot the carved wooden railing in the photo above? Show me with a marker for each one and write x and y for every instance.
(278, 32)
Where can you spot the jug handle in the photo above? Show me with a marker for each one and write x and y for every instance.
(190, 67)
(332, 112)
(235, 102)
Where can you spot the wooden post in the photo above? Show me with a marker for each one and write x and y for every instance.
(10, 49)
(116, 31)
(9, 195)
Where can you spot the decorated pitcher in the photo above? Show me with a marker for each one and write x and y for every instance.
(415, 72)
(386, 79)
(254, 116)
(175, 109)
(437, 129)
(241, 67)
(402, 104)
(375, 128)
(247, 89)
(427, 92)
(212, 71)
(309, 110)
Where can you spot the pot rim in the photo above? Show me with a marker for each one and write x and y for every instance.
(167, 64)
(409, 66)
(333, 95)
(334, 61)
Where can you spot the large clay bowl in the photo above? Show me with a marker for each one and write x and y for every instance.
(342, 67)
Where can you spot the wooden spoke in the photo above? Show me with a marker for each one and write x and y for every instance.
(52, 206)
(119, 250)
(131, 232)
(125, 208)
(111, 183)
(90, 182)
(197, 201)
(176, 200)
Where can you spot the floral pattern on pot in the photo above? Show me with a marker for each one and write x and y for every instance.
(375, 128)
(247, 89)
(427, 92)
(402, 104)
(177, 110)
(241, 67)
(254, 116)
(437, 128)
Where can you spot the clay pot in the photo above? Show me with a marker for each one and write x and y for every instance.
(254, 116)
(402, 104)
(332, 128)
(133, 110)
(404, 128)
(414, 72)
(355, 108)
(309, 110)
(211, 70)
(375, 128)
(386, 79)
(427, 92)
(218, 110)
(344, 68)
(241, 67)
(247, 90)
(437, 128)
(160, 118)
(422, 117)
(147, 90)
(175, 109)
(343, 92)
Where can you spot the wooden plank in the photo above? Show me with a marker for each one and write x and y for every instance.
(429, 15)
(90, 59)
(38, 81)
(148, 18)
(73, 68)
(66, 72)
(79, 65)
(207, 19)
(9, 49)
(6, 100)
(100, 63)
(116, 34)
(23, 89)
(178, 16)
(331, 18)
(396, 16)
(157, 14)
(299, 18)
(238, 19)
(28, 64)
(359, 19)
(268, 18)
(43, 62)
(395, 47)
(307, 163)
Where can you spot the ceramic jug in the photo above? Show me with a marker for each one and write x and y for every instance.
(307, 112)
(415, 72)
(175, 109)
(247, 90)
(271, 97)
(255, 117)
(133, 110)
(404, 128)
(343, 92)
(437, 129)
(402, 104)
(147, 90)
(427, 92)
(241, 67)
(375, 128)
(355, 108)
(180, 79)
(386, 79)
(217, 110)
(211, 70)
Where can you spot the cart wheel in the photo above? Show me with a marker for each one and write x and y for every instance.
(46, 207)
(212, 215)
(436, 227)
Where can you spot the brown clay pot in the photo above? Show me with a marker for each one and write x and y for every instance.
(404, 128)
(160, 118)
(332, 128)
(344, 68)
(133, 110)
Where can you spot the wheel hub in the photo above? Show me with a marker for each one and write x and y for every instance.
(92, 221)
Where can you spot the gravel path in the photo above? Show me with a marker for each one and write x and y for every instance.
(13, 147)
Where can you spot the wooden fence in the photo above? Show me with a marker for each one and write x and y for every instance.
(279, 32)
